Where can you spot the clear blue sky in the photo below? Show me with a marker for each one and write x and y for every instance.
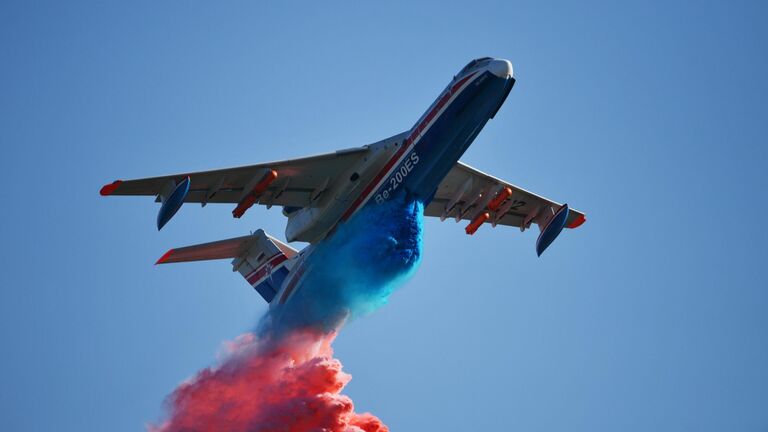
(650, 117)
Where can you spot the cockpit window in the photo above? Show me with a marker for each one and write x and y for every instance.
(475, 63)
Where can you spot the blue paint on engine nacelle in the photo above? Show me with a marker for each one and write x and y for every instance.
(552, 230)
(172, 203)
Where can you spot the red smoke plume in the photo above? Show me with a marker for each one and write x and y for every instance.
(290, 385)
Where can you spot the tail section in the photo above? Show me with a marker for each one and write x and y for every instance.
(262, 260)
(265, 264)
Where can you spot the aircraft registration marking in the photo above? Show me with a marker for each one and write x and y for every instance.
(397, 177)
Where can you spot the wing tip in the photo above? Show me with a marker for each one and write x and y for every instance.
(579, 221)
(109, 189)
(165, 257)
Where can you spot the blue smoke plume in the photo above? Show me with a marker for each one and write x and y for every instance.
(354, 271)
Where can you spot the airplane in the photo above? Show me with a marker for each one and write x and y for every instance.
(319, 193)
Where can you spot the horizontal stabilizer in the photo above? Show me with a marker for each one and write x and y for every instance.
(260, 258)
(222, 249)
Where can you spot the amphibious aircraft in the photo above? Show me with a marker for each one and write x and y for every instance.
(318, 193)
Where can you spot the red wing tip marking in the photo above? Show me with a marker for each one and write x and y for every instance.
(165, 257)
(109, 189)
(577, 222)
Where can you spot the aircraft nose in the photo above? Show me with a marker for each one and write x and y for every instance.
(500, 68)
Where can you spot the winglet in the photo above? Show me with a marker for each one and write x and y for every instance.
(165, 257)
(109, 189)
(579, 221)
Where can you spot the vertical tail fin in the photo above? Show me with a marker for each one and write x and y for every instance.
(265, 265)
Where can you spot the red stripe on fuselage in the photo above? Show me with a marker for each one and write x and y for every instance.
(262, 270)
(461, 82)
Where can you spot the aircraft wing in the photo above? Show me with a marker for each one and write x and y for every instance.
(469, 194)
(296, 182)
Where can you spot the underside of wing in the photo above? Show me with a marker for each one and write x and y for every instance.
(295, 183)
(469, 194)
